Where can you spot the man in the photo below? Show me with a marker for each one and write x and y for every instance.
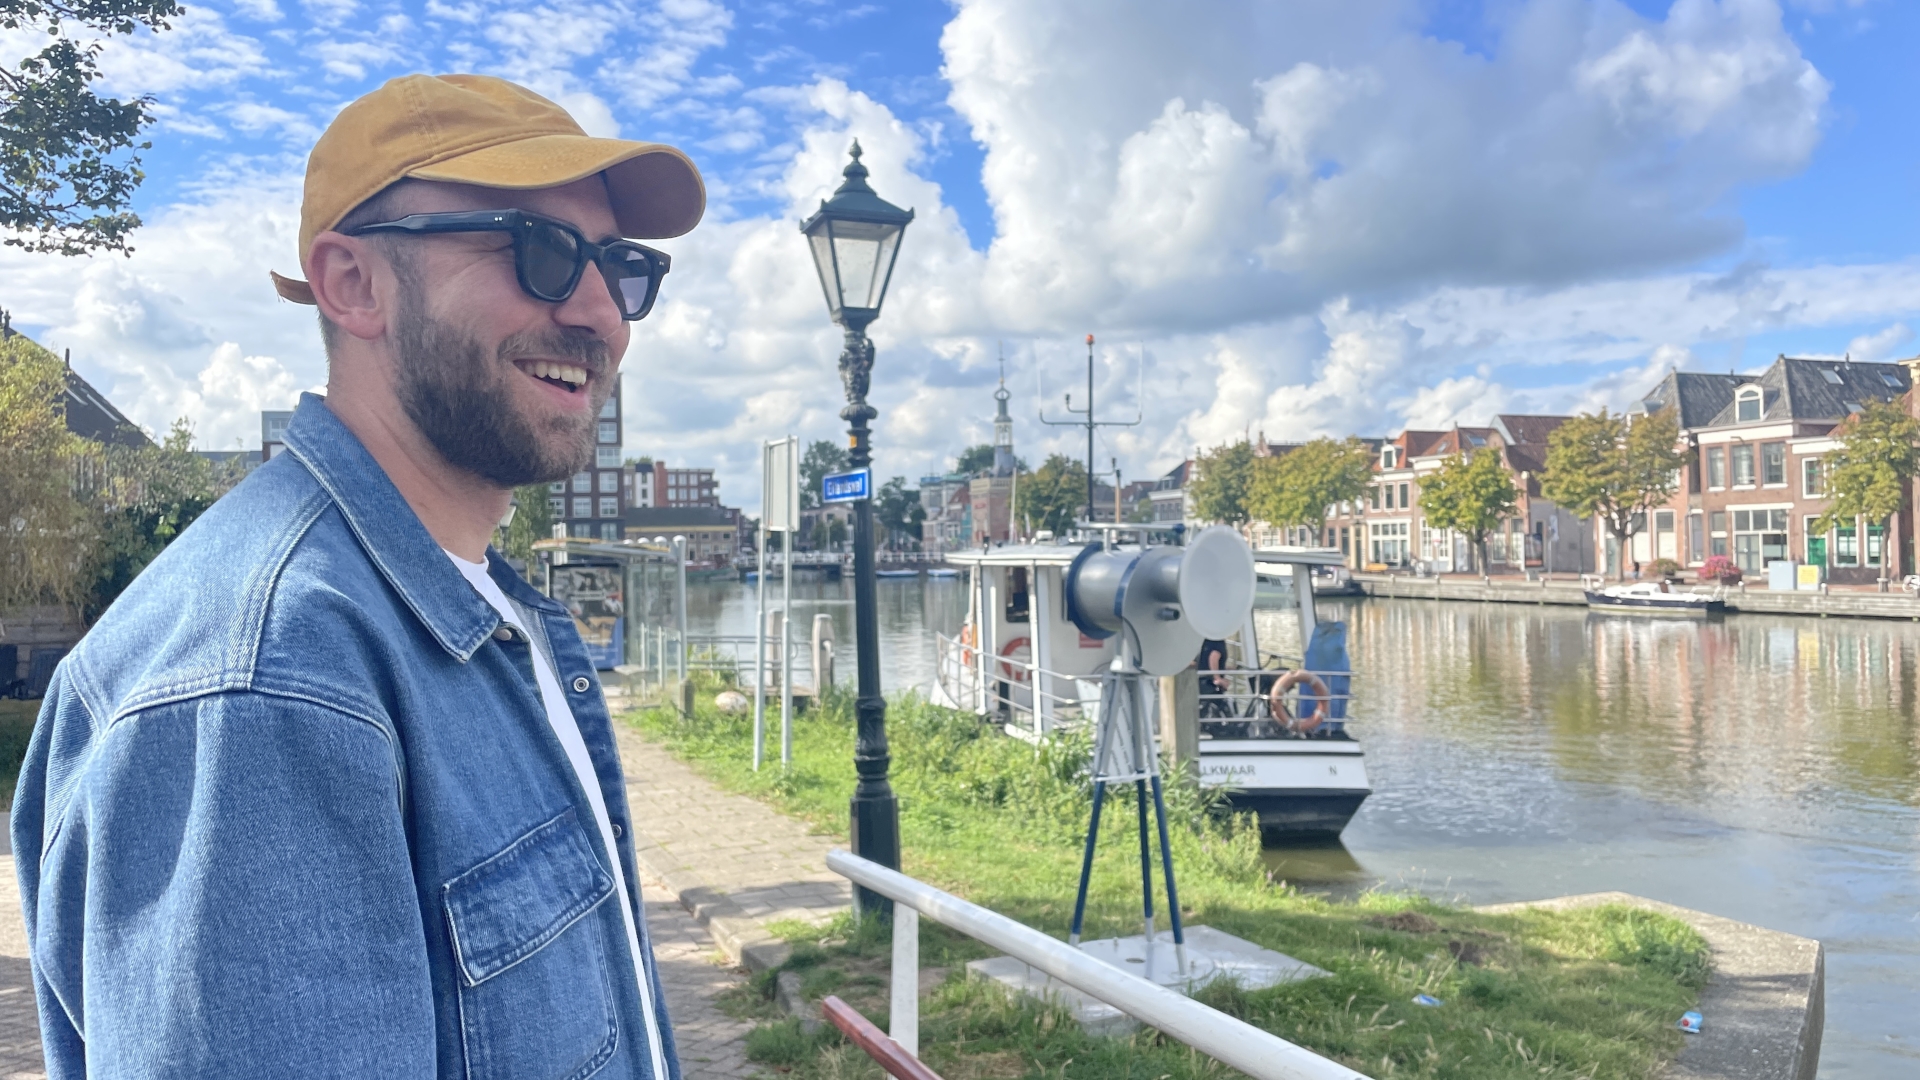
(330, 791)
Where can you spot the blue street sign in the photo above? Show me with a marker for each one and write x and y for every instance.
(847, 487)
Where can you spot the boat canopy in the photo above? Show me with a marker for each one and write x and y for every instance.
(1061, 554)
(1300, 556)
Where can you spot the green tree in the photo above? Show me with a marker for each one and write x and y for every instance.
(1298, 487)
(1879, 456)
(821, 460)
(532, 520)
(1053, 496)
(897, 510)
(143, 497)
(1470, 495)
(1224, 483)
(44, 530)
(69, 158)
(974, 459)
(1614, 467)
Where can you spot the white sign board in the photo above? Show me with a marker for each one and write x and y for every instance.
(780, 485)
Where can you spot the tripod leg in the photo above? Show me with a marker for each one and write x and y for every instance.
(1086, 863)
(1146, 864)
(1166, 865)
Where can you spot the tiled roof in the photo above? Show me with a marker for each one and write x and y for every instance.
(1700, 394)
(1819, 390)
(1517, 429)
(91, 416)
(1419, 443)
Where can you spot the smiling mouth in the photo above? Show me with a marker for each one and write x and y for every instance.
(565, 375)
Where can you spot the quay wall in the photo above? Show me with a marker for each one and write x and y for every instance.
(1859, 605)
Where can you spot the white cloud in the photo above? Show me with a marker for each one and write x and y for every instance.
(1883, 345)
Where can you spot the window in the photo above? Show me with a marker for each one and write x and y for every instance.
(606, 457)
(1373, 498)
(1746, 405)
(1743, 465)
(1717, 526)
(582, 507)
(1893, 381)
(611, 409)
(609, 431)
(1876, 540)
(1759, 537)
(1404, 504)
(1389, 456)
(1846, 546)
(1812, 484)
(582, 482)
(1830, 375)
(609, 482)
(609, 530)
(1017, 596)
(609, 506)
(583, 530)
(556, 506)
(1696, 538)
(558, 487)
(1716, 467)
(1773, 464)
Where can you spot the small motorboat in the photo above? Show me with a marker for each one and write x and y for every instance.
(896, 573)
(1655, 598)
(942, 572)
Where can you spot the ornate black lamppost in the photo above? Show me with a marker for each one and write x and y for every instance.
(855, 238)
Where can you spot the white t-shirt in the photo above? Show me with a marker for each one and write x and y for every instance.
(567, 730)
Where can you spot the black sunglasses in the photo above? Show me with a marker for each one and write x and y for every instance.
(549, 256)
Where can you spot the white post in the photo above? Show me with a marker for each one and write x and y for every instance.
(786, 659)
(760, 644)
(903, 1019)
(1041, 614)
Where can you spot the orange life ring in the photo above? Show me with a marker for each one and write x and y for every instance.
(1007, 670)
(1277, 700)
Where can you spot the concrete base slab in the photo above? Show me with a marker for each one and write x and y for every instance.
(1209, 955)
(1764, 1007)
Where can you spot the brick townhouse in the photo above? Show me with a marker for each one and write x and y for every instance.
(1755, 479)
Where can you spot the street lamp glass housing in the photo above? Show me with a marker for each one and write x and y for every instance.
(854, 239)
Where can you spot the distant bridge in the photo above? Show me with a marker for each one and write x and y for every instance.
(831, 562)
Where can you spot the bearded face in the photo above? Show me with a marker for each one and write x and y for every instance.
(467, 397)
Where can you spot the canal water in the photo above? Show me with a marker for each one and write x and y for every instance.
(1762, 768)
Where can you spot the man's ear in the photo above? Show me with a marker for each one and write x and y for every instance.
(342, 272)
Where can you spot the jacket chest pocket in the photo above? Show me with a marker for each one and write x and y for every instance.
(535, 998)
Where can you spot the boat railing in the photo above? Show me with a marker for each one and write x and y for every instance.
(1033, 702)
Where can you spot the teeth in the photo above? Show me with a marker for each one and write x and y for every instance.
(567, 373)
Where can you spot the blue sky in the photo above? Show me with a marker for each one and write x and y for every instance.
(1302, 218)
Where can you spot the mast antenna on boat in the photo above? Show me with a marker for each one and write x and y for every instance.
(1091, 423)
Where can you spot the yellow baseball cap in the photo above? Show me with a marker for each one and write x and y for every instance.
(475, 129)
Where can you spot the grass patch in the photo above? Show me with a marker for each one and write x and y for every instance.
(1590, 994)
(16, 729)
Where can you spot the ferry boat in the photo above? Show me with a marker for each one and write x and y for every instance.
(1281, 751)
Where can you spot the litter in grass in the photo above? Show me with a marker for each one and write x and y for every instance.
(1428, 1000)
(1690, 1022)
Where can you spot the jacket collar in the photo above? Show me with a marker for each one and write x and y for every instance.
(388, 529)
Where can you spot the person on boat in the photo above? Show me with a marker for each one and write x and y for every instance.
(330, 791)
(1213, 688)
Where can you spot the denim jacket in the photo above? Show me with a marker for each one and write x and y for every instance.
(292, 809)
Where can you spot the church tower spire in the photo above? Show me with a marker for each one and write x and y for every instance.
(1003, 459)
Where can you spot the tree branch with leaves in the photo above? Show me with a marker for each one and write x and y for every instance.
(1867, 477)
(1222, 484)
(1472, 495)
(1616, 468)
(1297, 488)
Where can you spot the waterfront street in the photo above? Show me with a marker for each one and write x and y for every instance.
(1763, 768)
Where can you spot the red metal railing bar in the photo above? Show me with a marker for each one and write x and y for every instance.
(890, 1055)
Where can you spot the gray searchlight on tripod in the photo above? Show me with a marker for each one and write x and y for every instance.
(1162, 602)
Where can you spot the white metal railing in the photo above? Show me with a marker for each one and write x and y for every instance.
(1235, 1043)
(1233, 703)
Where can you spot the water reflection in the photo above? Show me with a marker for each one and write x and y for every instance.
(1766, 769)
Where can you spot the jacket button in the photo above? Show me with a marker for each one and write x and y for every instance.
(504, 633)
(618, 832)
(580, 684)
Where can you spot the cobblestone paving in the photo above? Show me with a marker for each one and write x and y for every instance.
(695, 974)
(20, 1057)
(734, 861)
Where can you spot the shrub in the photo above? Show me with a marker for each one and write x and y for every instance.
(1720, 568)
(1666, 568)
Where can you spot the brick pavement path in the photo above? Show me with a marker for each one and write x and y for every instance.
(695, 974)
(20, 1057)
(737, 864)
